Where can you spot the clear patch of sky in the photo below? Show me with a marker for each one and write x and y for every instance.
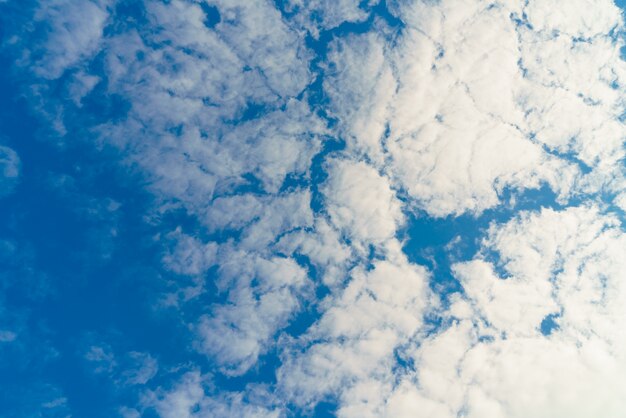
(549, 324)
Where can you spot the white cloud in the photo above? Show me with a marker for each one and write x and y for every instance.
(580, 252)
(81, 86)
(464, 103)
(350, 353)
(123, 370)
(74, 33)
(126, 412)
(10, 168)
(55, 403)
(361, 202)
(189, 398)
(582, 18)
(189, 256)
(256, 31)
(321, 15)
(523, 302)
(493, 361)
(262, 294)
(323, 246)
(620, 201)
(361, 83)
(273, 217)
(143, 368)
(215, 127)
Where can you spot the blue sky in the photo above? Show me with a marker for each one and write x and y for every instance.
(266, 209)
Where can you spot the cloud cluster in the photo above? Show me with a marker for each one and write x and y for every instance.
(350, 353)
(493, 358)
(496, 360)
(217, 126)
(218, 107)
(475, 98)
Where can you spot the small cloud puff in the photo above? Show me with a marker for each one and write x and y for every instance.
(10, 169)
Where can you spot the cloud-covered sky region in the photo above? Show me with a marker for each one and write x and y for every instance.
(312, 208)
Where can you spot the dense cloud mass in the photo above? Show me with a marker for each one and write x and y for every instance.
(287, 150)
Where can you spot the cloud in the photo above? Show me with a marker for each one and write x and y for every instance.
(323, 15)
(324, 247)
(360, 60)
(7, 336)
(212, 110)
(102, 359)
(74, 31)
(349, 353)
(263, 294)
(261, 219)
(463, 105)
(124, 369)
(361, 202)
(144, 368)
(206, 126)
(491, 357)
(494, 360)
(190, 398)
(10, 167)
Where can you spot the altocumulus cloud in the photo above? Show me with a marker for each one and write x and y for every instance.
(286, 150)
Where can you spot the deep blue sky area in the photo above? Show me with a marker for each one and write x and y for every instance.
(68, 280)
(81, 245)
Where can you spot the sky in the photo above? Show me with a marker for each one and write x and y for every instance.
(312, 208)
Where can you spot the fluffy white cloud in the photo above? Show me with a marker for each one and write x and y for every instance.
(476, 97)
(265, 219)
(189, 256)
(215, 127)
(363, 110)
(620, 201)
(324, 248)
(255, 30)
(361, 202)
(494, 361)
(262, 296)
(350, 351)
(579, 252)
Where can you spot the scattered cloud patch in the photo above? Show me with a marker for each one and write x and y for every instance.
(10, 167)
